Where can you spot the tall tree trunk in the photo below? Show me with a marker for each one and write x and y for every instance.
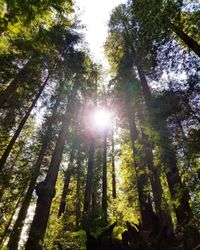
(178, 190)
(104, 180)
(183, 210)
(78, 189)
(190, 42)
(176, 187)
(16, 231)
(94, 188)
(114, 194)
(89, 178)
(184, 143)
(21, 125)
(65, 191)
(154, 175)
(144, 84)
(46, 189)
(141, 178)
(94, 196)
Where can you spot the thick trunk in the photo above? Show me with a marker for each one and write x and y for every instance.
(154, 175)
(141, 179)
(185, 143)
(104, 180)
(94, 197)
(65, 191)
(38, 226)
(46, 189)
(182, 196)
(145, 88)
(178, 190)
(154, 178)
(155, 181)
(16, 232)
(183, 209)
(94, 189)
(144, 84)
(78, 189)
(114, 194)
(89, 178)
(21, 125)
(190, 42)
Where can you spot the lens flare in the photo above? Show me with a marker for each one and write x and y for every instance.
(102, 119)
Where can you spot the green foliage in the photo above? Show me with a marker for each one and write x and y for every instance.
(22, 20)
(125, 207)
(39, 40)
(74, 240)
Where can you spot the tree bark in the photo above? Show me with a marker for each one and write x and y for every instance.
(94, 196)
(21, 125)
(78, 189)
(104, 180)
(154, 175)
(89, 178)
(178, 190)
(190, 42)
(176, 187)
(46, 189)
(94, 188)
(144, 84)
(114, 194)
(183, 210)
(16, 231)
(154, 178)
(65, 191)
(141, 179)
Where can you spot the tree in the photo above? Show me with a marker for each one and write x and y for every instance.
(16, 231)
(78, 187)
(20, 127)
(183, 210)
(163, 18)
(64, 47)
(88, 188)
(144, 175)
(46, 189)
(114, 194)
(104, 179)
(65, 191)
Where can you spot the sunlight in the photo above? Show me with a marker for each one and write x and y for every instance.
(102, 118)
(96, 16)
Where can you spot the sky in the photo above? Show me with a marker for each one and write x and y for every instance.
(95, 15)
